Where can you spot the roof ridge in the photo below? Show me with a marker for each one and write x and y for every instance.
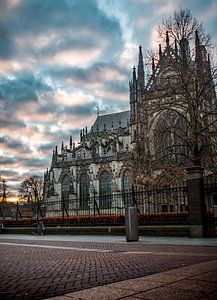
(115, 113)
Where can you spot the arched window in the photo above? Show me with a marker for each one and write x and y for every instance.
(84, 191)
(65, 188)
(162, 139)
(127, 181)
(171, 138)
(127, 186)
(105, 190)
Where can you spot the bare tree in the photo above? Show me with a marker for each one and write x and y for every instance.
(31, 189)
(4, 191)
(182, 25)
(180, 107)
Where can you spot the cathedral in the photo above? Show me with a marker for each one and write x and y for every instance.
(102, 162)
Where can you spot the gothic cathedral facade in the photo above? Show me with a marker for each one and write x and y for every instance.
(101, 164)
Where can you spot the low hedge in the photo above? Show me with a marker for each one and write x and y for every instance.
(144, 219)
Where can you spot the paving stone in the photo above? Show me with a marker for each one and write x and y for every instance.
(138, 284)
(102, 293)
(203, 287)
(169, 293)
(208, 276)
(192, 270)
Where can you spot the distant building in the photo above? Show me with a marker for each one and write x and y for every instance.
(101, 164)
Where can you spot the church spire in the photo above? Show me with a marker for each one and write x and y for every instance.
(62, 148)
(197, 48)
(197, 40)
(167, 40)
(153, 66)
(160, 51)
(53, 157)
(176, 50)
(141, 77)
(134, 77)
(70, 142)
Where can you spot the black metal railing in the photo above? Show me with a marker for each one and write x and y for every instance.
(154, 206)
(210, 193)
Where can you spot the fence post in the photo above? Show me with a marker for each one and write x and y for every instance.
(196, 200)
(131, 220)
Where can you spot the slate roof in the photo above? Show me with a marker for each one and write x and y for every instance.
(112, 121)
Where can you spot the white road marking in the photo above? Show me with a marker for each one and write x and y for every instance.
(77, 249)
(58, 247)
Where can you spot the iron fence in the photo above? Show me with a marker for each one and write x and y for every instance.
(210, 192)
(154, 206)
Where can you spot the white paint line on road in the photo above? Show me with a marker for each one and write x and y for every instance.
(77, 249)
(125, 252)
(58, 247)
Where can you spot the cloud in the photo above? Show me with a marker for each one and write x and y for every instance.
(7, 160)
(49, 30)
(47, 146)
(10, 124)
(8, 143)
(36, 162)
(21, 87)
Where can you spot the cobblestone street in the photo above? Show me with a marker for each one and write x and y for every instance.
(39, 269)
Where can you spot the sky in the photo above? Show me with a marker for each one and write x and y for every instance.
(61, 59)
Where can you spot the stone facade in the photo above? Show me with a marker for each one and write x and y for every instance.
(99, 165)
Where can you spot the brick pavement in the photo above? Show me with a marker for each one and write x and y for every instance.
(193, 282)
(42, 269)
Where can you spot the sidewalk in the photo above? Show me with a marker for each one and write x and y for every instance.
(115, 239)
(193, 282)
(107, 268)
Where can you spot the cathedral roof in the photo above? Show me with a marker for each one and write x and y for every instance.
(111, 121)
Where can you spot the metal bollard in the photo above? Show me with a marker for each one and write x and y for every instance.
(131, 221)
